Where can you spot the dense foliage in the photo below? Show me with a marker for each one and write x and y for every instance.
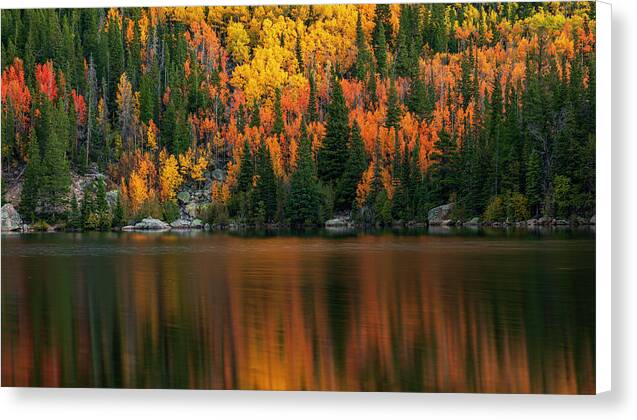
(382, 110)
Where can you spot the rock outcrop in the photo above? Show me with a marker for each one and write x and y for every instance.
(11, 220)
(438, 215)
(148, 224)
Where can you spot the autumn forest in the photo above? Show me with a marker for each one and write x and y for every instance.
(293, 115)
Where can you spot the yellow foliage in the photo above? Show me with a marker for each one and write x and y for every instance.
(169, 177)
(237, 41)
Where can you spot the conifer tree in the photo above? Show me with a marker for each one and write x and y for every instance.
(312, 109)
(246, 169)
(304, 200)
(334, 147)
(394, 112)
(363, 56)
(380, 51)
(356, 165)
(31, 186)
(265, 190)
(278, 113)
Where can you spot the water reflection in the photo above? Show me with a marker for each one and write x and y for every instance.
(369, 312)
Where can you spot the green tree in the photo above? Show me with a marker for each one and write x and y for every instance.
(264, 197)
(304, 199)
(354, 168)
(31, 186)
(330, 156)
(278, 113)
(394, 112)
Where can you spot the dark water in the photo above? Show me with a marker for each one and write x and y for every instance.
(490, 312)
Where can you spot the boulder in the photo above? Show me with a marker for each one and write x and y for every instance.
(11, 219)
(438, 214)
(196, 224)
(218, 175)
(473, 222)
(180, 224)
(183, 197)
(561, 222)
(531, 222)
(111, 198)
(151, 224)
(337, 223)
(193, 209)
(592, 221)
(447, 222)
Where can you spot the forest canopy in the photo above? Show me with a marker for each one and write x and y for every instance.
(380, 112)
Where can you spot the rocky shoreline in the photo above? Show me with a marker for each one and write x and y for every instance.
(438, 217)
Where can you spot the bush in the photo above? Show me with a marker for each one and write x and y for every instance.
(215, 213)
(517, 207)
(170, 211)
(495, 211)
(562, 195)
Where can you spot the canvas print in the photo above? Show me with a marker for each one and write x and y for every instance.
(352, 197)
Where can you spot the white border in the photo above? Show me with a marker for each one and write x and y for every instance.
(603, 271)
(440, 402)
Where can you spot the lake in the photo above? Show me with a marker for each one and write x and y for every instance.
(435, 311)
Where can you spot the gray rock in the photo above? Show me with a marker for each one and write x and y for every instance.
(218, 175)
(183, 197)
(206, 226)
(437, 215)
(196, 224)
(337, 223)
(11, 219)
(592, 221)
(152, 224)
(545, 220)
(193, 209)
(474, 222)
(531, 222)
(447, 222)
(180, 224)
(561, 222)
(111, 198)
(128, 228)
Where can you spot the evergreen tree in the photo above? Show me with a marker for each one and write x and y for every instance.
(363, 56)
(334, 147)
(356, 165)
(312, 106)
(246, 169)
(444, 170)
(118, 213)
(278, 113)
(265, 190)
(534, 182)
(380, 52)
(394, 112)
(31, 186)
(304, 200)
(115, 59)
(55, 177)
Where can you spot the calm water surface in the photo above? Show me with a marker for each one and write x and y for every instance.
(494, 312)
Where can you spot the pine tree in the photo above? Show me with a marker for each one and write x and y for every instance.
(312, 105)
(255, 120)
(356, 165)
(118, 213)
(534, 182)
(380, 52)
(444, 170)
(31, 186)
(394, 112)
(115, 59)
(55, 177)
(363, 56)
(334, 147)
(304, 200)
(265, 190)
(246, 169)
(278, 113)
